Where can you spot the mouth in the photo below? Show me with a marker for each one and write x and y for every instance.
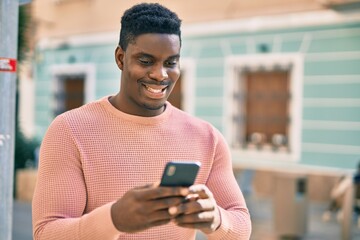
(155, 91)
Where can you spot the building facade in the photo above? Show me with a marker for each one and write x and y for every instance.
(280, 79)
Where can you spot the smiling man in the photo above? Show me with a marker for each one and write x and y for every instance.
(100, 164)
(150, 68)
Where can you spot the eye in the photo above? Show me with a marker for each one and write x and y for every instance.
(171, 63)
(145, 61)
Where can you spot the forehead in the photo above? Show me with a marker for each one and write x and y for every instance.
(156, 44)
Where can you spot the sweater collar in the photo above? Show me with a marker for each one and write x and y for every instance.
(134, 118)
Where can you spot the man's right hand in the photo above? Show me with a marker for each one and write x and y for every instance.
(145, 207)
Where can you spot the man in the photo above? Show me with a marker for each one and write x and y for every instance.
(100, 164)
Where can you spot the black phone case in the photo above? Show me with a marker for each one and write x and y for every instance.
(179, 174)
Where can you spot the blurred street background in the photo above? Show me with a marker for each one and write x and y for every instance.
(262, 219)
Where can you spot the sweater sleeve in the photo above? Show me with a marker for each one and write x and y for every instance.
(235, 217)
(60, 196)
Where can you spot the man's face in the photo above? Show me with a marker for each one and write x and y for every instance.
(150, 69)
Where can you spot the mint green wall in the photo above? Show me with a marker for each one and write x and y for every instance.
(331, 73)
(107, 76)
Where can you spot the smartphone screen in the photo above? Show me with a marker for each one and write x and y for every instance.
(180, 174)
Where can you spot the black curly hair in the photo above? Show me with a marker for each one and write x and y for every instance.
(147, 18)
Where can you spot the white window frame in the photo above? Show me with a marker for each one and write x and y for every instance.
(292, 62)
(88, 70)
(188, 72)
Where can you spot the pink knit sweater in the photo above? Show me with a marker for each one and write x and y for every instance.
(92, 155)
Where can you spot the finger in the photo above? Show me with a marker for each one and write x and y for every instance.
(199, 205)
(203, 221)
(156, 184)
(150, 185)
(160, 223)
(161, 192)
(202, 217)
(192, 197)
(161, 215)
(201, 190)
(164, 203)
(193, 225)
(205, 227)
(151, 206)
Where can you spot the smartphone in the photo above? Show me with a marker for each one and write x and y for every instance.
(180, 174)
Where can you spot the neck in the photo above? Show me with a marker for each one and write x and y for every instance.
(145, 112)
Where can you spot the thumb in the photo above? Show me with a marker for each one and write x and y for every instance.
(149, 185)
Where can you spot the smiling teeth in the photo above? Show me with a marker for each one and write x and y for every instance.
(154, 90)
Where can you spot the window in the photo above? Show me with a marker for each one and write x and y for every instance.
(73, 86)
(263, 111)
(69, 93)
(182, 95)
(265, 102)
(175, 97)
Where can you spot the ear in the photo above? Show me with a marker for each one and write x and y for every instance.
(119, 57)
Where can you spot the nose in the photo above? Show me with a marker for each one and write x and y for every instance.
(158, 73)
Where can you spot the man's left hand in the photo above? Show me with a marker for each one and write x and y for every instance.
(200, 211)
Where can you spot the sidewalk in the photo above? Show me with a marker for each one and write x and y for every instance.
(22, 227)
(263, 229)
(260, 209)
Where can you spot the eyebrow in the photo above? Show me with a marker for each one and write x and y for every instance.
(143, 54)
(174, 56)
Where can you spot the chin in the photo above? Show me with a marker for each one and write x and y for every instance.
(154, 106)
